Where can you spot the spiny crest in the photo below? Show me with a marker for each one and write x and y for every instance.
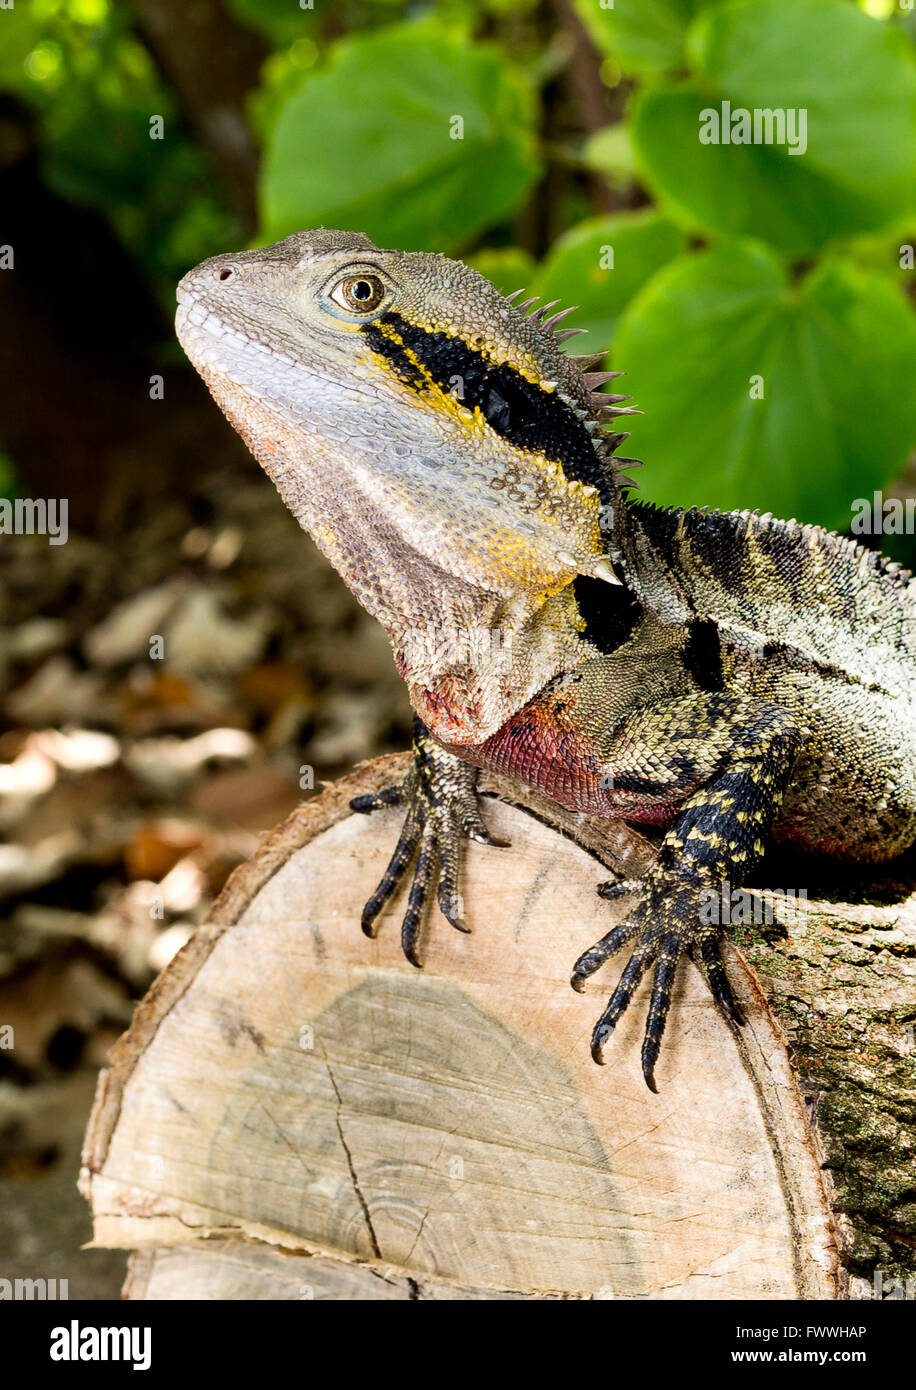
(815, 538)
(600, 408)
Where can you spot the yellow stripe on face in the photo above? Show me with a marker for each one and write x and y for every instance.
(524, 363)
(523, 442)
(437, 395)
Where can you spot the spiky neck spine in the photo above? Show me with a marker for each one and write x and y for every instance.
(637, 563)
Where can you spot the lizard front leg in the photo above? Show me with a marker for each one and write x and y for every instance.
(719, 833)
(440, 793)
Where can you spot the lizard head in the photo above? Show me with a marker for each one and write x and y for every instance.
(422, 426)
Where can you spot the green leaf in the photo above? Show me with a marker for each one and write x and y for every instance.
(837, 359)
(369, 144)
(855, 80)
(509, 268)
(643, 35)
(601, 264)
(23, 35)
(610, 151)
(281, 21)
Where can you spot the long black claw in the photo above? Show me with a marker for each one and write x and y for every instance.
(416, 900)
(374, 801)
(633, 972)
(592, 959)
(447, 891)
(658, 1010)
(667, 923)
(440, 792)
(397, 867)
(710, 963)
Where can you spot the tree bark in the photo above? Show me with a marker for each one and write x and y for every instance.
(212, 62)
(296, 1112)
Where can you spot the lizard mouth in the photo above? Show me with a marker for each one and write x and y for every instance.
(192, 320)
(181, 313)
(227, 339)
(193, 315)
(212, 343)
(186, 300)
(199, 327)
(200, 334)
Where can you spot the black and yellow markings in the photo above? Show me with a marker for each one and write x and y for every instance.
(609, 613)
(703, 655)
(385, 340)
(725, 827)
(526, 414)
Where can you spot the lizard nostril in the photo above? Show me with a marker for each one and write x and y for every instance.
(227, 273)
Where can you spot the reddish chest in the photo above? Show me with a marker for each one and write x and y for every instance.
(541, 747)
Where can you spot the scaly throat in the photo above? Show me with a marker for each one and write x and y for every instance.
(471, 653)
(474, 669)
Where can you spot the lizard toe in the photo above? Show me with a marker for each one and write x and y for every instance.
(706, 954)
(398, 865)
(592, 959)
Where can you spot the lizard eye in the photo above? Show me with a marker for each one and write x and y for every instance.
(359, 294)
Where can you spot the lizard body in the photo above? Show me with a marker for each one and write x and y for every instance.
(727, 677)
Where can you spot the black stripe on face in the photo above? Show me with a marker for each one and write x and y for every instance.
(521, 412)
(703, 655)
(404, 369)
(610, 612)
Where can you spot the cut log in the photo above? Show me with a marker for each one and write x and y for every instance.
(296, 1112)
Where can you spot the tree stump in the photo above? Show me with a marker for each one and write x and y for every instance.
(297, 1112)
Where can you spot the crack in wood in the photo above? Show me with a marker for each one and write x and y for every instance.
(376, 1250)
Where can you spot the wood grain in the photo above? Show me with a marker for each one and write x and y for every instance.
(295, 1107)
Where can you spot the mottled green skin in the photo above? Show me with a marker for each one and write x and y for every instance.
(744, 680)
(800, 618)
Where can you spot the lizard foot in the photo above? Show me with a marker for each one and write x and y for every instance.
(440, 794)
(666, 924)
(619, 887)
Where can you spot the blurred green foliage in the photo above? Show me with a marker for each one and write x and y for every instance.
(95, 87)
(431, 151)
(7, 476)
(760, 299)
(856, 82)
(601, 264)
